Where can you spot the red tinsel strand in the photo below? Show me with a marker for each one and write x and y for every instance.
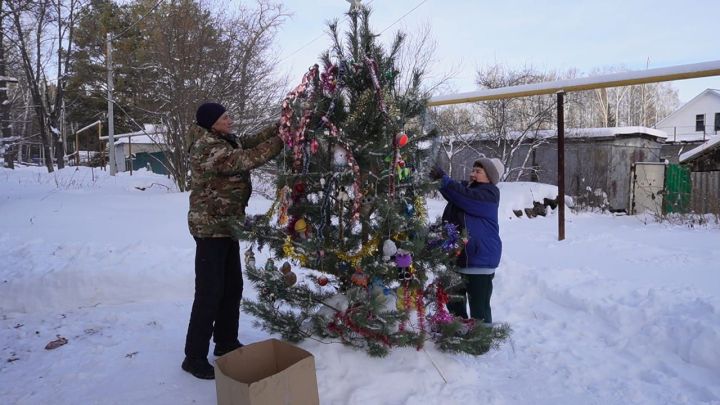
(364, 332)
(420, 305)
(406, 303)
(442, 316)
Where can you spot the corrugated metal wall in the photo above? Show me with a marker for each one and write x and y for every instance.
(706, 192)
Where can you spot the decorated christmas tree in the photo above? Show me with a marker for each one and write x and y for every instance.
(356, 260)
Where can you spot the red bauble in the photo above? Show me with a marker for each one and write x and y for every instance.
(401, 139)
(322, 281)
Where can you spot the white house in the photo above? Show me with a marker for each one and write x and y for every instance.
(149, 140)
(695, 121)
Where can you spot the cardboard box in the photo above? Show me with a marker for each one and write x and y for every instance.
(266, 373)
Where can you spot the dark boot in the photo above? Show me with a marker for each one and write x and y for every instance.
(199, 367)
(221, 350)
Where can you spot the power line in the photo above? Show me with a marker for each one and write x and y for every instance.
(321, 35)
(138, 20)
(404, 15)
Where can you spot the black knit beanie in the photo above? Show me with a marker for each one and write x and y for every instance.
(208, 113)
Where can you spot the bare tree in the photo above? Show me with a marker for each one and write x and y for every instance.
(237, 68)
(32, 22)
(510, 126)
(458, 126)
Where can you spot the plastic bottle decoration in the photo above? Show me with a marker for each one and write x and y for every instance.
(249, 259)
(389, 249)
(289, 277)
(270, 265)
(403, 262)
(409, 209)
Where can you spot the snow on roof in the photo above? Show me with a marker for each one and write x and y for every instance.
(579, 133)
(693, 153)
(152, 134)
(694, 137)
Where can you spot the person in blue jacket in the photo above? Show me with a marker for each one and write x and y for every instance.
(473, 207)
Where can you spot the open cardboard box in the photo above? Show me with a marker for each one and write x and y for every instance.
(265, 373)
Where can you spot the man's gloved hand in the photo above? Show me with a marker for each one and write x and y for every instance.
(436, 173)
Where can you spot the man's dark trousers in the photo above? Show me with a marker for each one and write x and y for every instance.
(218, 290)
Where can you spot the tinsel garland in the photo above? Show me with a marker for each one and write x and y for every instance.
(420, 305)
(344, 317)
(369, 248)
(372, 68)
(289, 251)
(295, 137)
(441, 316)
(421, 209)
(406, 304)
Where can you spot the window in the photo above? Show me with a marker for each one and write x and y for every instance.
(700, 123)
(717, 122)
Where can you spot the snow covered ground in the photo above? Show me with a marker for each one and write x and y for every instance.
(620, 312)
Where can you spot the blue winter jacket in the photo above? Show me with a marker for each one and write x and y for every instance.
(475, 207)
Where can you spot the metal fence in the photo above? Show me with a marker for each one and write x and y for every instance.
(689, 133)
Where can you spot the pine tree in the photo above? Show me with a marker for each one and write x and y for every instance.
(350, 212)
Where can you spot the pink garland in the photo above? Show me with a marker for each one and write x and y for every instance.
(442, 316)
(295, 137)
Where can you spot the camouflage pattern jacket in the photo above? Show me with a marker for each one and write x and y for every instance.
(220, 184)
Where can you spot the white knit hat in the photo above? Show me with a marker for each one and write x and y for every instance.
(493, 167)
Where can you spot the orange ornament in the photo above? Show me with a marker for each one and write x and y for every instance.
(359, 278)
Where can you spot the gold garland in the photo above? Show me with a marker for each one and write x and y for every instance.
(420, 208)
(367, 249)
(289, 251)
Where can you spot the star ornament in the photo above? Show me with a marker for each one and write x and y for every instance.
(354, 4)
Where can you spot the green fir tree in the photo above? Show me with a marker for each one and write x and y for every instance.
(350, 215)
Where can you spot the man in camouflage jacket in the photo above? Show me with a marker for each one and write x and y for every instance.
(219, 193)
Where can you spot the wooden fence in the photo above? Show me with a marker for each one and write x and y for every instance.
(706, 192)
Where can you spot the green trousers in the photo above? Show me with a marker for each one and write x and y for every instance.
(477, 291)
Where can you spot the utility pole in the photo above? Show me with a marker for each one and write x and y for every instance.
(111, 126)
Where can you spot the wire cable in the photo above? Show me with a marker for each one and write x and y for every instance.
(138, 20)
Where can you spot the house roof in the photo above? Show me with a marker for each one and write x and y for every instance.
(152, 134)
(694, 153)
(714, 92)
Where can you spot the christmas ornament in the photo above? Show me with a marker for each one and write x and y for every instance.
(270, 265)
(403, 259)
(354, 4)
(322, 281)
(389, 249)
(314, 146)
(284, 202)
(301, 228)
(359, 278)
(289, 277)
(249, 258)
(340, 156)
(401, 139)
(367, 206)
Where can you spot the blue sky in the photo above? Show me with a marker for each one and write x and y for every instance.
(545, 34)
